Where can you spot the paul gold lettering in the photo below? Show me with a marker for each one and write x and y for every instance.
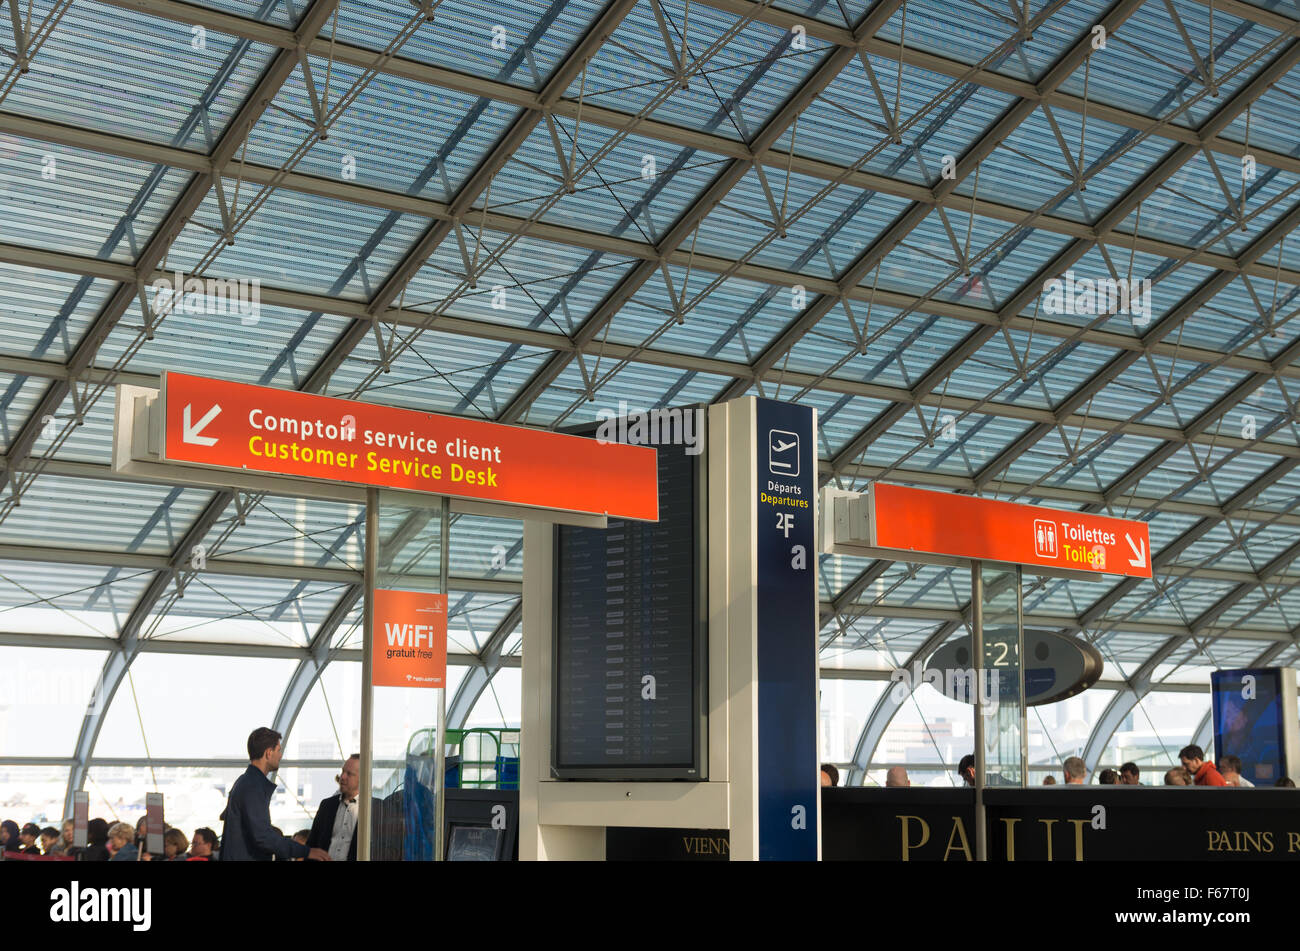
(908, 845)
(958, 829)
(1011, 838)
(1078, 837)
(1049, 823)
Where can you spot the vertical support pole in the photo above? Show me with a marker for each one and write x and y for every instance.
(440, 759)
(371, 570)
(977, 655)
(1020, 652)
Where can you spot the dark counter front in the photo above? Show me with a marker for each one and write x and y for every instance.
(1062, 824)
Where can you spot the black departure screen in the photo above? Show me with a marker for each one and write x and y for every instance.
(627, 638)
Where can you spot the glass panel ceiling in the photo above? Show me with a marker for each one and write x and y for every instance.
(431, 124)
(121, 71)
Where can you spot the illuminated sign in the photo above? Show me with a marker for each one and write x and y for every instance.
(288, 433)
(410, 639)
(940, 523)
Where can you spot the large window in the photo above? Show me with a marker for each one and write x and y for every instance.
(43, 699)
(190, 706)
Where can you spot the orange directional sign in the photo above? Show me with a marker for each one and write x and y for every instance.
(288, 433)
(964, 526)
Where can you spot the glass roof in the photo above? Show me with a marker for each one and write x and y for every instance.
(553, 222)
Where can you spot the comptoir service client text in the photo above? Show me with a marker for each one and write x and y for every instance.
(290, 429)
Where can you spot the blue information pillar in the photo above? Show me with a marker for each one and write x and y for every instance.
(786, 623)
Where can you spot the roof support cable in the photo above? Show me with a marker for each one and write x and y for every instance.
(898, 80)
(789, 162)
(571, 183)
(1214, 86)
(778, 220)
(970, 222)
(1271, 326)
(891, 127)
(21, 31)
(561, 159)
(27, 41)
(1083, 125)
(686, 27)
(669, 45)
(1132, 249)
(148, 758)
(1247, 167)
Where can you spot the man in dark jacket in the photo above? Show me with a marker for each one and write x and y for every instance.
(335, 826)
(248, 836)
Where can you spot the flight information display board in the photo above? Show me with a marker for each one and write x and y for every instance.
(628, 672)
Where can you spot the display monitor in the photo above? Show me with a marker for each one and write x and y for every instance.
(1249, 721)
(473, 843)
(628, 676)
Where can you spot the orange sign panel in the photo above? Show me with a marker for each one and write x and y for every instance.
(410, 639)
(964, 526)
(288, 433)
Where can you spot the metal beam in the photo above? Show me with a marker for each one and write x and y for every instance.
(1058, 622)
(687, 223)
(882, 714)
(1115, 215)
(470, 192)
(339, 190)
(126, 647)
(155, 250)
(1122, 704)
(473, 85)
(480, 675)
(474, 327)
(232, 566)
(895, 234)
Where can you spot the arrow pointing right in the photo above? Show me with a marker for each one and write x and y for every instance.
(190, 431)
(1139, 559)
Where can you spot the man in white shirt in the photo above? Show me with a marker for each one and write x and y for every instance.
(335, 826)
(1230, 767)
(1075, 770)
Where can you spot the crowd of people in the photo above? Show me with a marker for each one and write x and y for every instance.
(105, 842)
(247, 832)
(1194, 770)
(248, 835)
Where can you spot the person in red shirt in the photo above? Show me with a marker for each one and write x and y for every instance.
(1203, 771)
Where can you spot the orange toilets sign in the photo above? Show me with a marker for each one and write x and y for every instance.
(410, 639)
(964, 526)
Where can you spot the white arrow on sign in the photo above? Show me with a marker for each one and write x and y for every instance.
(1139, 559)
(190, 431)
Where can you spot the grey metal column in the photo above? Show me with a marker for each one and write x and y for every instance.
(977, 658)
(367, 665)
(440, 759)
(1020, 653)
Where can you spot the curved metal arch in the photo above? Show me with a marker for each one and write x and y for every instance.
(476, 681)
(1204, 731)
(1122, 704)
(309, 669)
(883, 712)
(128, 646)
(1140, 683)
(110, 678)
